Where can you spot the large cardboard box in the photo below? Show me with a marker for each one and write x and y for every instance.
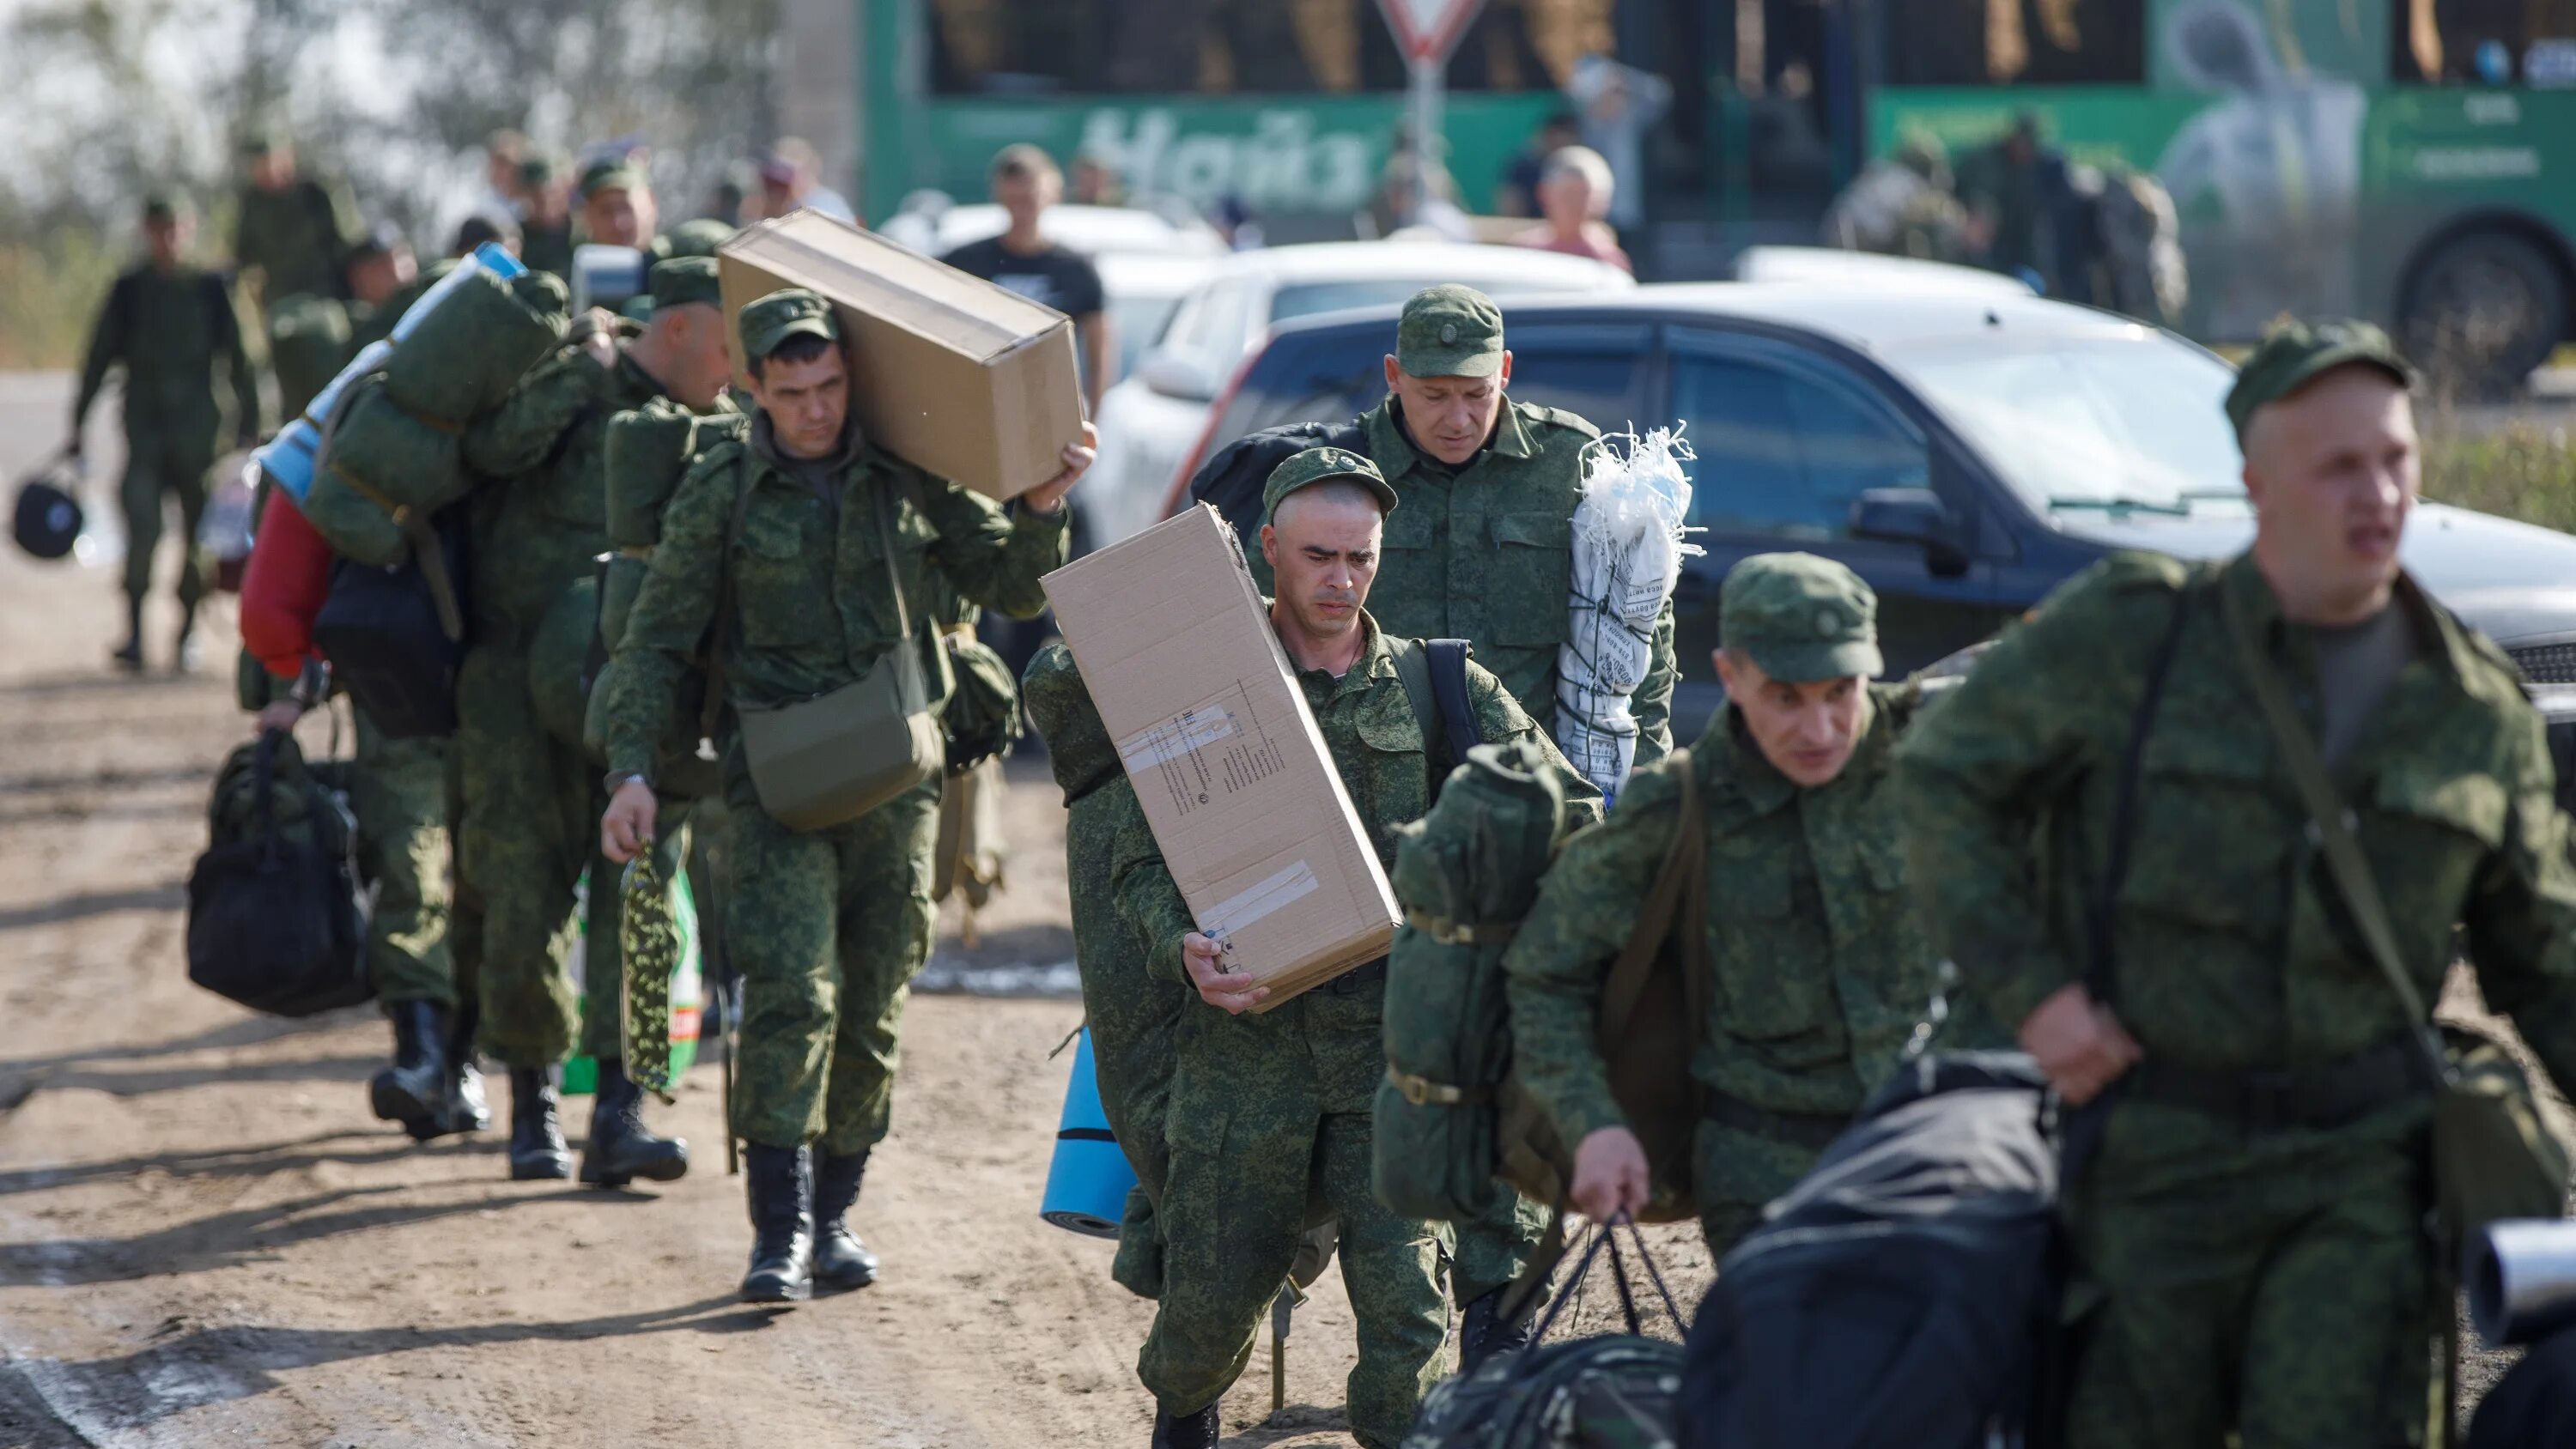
(1233, 775)
(969, 380)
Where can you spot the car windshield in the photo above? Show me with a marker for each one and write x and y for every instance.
(1304, 299)
(2104, 422)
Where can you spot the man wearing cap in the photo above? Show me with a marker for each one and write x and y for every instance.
(1483, 550)
(2253, 1220)
(826, 926)
(1268, 1110)
(292, 229)
(1025, 183)
(529, 796)
(617, 207)
(1818, 967)
(170, 323)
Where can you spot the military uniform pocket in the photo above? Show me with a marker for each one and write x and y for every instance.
(2211, 845)
(1532, 571)
(2440, 822)
(782, 586)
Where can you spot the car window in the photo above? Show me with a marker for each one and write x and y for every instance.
(1227, 321)
(1135, 323)
(1786, 443)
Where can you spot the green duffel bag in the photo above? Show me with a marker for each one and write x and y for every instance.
(308, 344)
(401, 460)
(464, 355)
(982, 716)
(647, 450)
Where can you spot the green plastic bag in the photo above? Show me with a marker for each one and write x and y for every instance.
(687, 995)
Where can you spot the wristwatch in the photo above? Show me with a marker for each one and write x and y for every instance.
(617, 780)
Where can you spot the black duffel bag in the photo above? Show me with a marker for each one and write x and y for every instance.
(1904, 1293)
(275, 919)
(396, 635)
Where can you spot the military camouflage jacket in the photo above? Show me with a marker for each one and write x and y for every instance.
(2232, 947)
(546, 521)
(1819, 969)
(294, 238)
(1486, 554)
(1376, 742)
(171, 331)
(812, 609)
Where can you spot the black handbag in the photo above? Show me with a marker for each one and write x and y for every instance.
(275, 918)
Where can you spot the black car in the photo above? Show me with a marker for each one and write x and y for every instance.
(1964, 452)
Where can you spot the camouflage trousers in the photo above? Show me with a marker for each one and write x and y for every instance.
(1266, 1111)
(529, 827)
(160, 463)
(2272, 1283)
(398, 790)
(827, 928)
(1734, 1173)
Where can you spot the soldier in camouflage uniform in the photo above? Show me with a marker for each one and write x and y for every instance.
(1818, 967)
(1481, 551)
(545, 229)
(292, 230)
(617, 207)
(1130, 1011)
(171, 324)
(1268, 1109)
(2253, 1219)
(530, 797)
(827, 927)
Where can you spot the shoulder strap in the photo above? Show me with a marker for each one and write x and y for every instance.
(1449, 691)
(2100, 977)
(1413, 667)
(1675, 900)
(2330, 826)
(720, 642)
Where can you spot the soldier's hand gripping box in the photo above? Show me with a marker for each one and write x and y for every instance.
(971, 381)
(1176, 649)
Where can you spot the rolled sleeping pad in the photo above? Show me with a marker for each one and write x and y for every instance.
(288, 458)
(2522, 1280)
(1087, 1183)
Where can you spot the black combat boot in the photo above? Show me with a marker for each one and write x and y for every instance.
(841, 1260)
(414, 1088)
(1189, 1431)
(129, 655)
(462, 1108)
(537, 1148)
(621, 1148)
(1482, 1334)
(780, 1184)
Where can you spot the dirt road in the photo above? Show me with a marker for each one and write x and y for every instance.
(204, 1237)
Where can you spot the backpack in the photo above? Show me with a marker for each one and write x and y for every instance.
(275, 918)
(1234, 478)
(1612, 1391)
(395, 635)
(1450, 1122)
(1903, 1293)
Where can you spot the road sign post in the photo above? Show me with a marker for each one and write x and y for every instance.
(1427, 31)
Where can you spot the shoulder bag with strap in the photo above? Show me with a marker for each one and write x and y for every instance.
(820, 762)
(2493, 1157)
(1434, 675)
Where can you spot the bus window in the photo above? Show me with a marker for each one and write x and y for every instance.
(1221, 47)
(2483, 42)
(2016, 42)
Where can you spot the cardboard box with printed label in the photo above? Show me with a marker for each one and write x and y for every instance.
(1177, 651)
(950, 372)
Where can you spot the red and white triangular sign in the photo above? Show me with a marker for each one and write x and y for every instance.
(1428, 30)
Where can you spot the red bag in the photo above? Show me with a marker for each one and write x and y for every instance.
(283, 589)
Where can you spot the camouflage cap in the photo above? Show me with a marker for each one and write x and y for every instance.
(165, 206)
(698, 238)
(1449, 331)
(258, 141)
(609, 174)
(538, 170)
(681, 281)
(767, 323)
(2295, 354)
(1800, 618)
(1325, 465)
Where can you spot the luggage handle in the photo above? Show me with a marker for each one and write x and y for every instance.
(1607, 1235)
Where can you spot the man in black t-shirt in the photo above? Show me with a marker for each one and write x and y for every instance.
(1025, 183)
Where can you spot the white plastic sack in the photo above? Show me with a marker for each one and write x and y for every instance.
(1628, 552)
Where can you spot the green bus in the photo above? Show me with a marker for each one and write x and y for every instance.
(1291, 107)
(2411, 161)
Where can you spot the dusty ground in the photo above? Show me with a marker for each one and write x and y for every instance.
(205, 1238)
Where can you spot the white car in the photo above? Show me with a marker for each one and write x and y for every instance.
(1094, 231)
(1872, 272)
(1151, 418)
(1143, 291)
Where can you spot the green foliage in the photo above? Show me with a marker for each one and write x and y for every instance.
(50, 285)
(2518, 471)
